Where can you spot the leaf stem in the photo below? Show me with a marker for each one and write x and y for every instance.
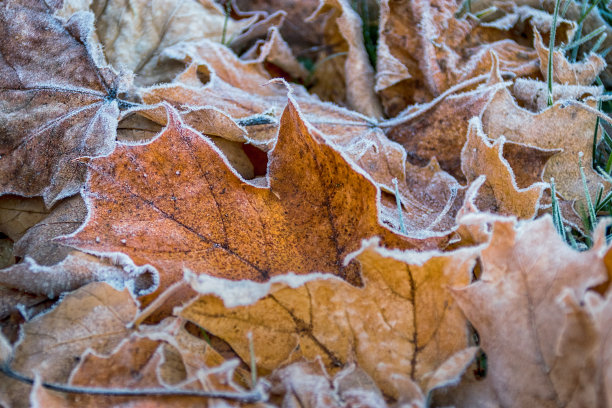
(247, 397)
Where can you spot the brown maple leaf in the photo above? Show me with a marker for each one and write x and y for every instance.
(308, 385)
(516, 307)
(241, 90)
(424, 48)
(399, 328)
(558, 127)
(565, 72)
(51, 344)
(439, 129)
(499, 193)
(159, 204)
(58, 103)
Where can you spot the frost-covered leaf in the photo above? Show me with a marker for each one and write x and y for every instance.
(516, 309)
(95, 316)
(499, 193)
(569, 128)
(56, 103)
(398, 328)
(159, 205)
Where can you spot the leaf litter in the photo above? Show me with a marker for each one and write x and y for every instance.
(323, 204)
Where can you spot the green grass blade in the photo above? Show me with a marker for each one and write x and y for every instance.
(551, 48)
(398, 201)
(581, 19)
(599, 43)
(590, 209)
(227, 14)
(588, 37)
(556, 212)
(571, 240)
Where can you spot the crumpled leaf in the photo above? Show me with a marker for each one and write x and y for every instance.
(344, 34)
(398, 328)
(570, 128)
(76, 270)
(301, 33)
(533, 95)
(307, 384)
(52, 343)
(516, 309)
(135, 34)
(157, 204)
(56, 103)
(565, 72)
(439, 50)
(38, 242)
(240, 90)
(430, 199)
(439, 130)
(274, 50)
(500, 192)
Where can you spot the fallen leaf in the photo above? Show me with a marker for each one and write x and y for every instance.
(241, 90)
(38, 242)
(533, 95)
(300, 33)
(18, 214)
(500, 193)
(438, 50)
(307, 384)
(515, 309)
(52, 343)
(274, 50)
(134, 35)
(348, 60)
(57, 104)
(398, 328)
(76, 270)
(569, 128)
(439, 130)
(181, 215)
(565, 72)
(430, 199)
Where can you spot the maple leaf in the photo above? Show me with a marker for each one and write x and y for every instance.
(343, 31)
(439, 130)
(159, 205)
(236, 88)
(51, 343)
(565, 72)
(515, 308)
(57, 103)
(423, 49)
(398, 328)
(18, 214)
(307, 384)
(569, 128)
(500, 192)
(135, 34)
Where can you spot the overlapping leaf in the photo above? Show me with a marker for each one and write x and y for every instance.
(176, 203)
(57, 103)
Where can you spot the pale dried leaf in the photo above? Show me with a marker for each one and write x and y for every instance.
(400, 326)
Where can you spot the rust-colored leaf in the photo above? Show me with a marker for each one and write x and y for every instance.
(175, 203)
